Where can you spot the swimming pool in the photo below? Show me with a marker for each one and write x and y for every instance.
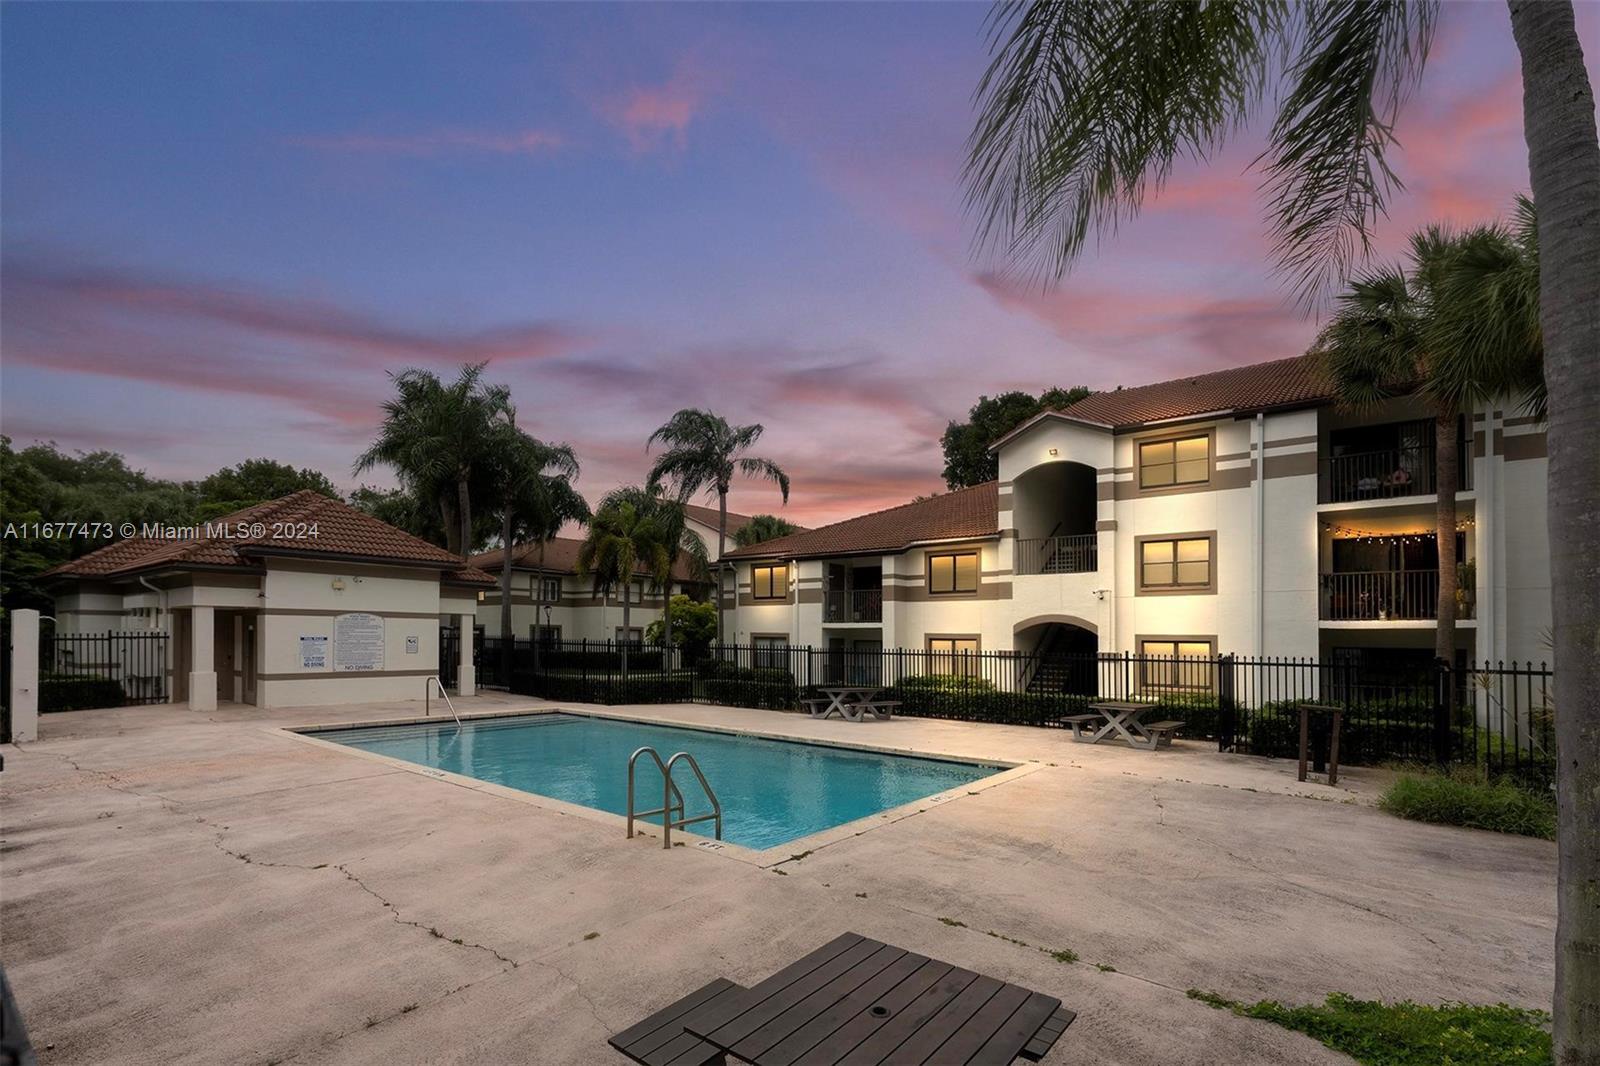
(772, 791)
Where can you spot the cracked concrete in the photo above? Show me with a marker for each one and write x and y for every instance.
(177, 889)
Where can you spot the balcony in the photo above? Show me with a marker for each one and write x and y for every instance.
(1384, 475)
(852, 605)
(1386, 596)
(1077, 554)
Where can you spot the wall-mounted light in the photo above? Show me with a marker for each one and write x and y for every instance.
(1054, 451)
(338, 584)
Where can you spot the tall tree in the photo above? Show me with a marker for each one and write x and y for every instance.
(702, 453)
(763, 527)
(438, 437)
(534, 481)
(679, 541)
(623, 540)
(254, 481)
(1083, 111)
(967, 459)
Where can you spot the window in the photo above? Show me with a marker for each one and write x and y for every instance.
(550, 589)
(1166, 463)
(953, 655)
(1176, 563)
(634, 590)
(1176, 662)
(632, 635)
(953, 573)
(546, 635)
(769, 582)
(770, 653)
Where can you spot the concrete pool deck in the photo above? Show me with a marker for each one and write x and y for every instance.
(182, 886)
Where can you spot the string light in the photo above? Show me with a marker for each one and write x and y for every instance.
(1368, 536)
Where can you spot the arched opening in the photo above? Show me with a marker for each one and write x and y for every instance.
(1062, 653)
(1053, 510)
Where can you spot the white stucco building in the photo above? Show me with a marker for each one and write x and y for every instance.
(299, 601)
(1235, 512)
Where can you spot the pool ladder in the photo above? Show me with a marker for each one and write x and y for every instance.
(669, 794)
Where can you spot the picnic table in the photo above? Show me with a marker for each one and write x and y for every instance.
(855, 1001)
(852, 702)
(1121, 718)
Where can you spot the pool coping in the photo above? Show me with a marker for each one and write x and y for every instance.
(1005, 772)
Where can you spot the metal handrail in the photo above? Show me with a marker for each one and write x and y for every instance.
(427, 698)
(669, 789)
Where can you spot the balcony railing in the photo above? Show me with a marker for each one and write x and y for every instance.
(853, 605)
(1386, 595)
(1077, 554)
(1386, 475)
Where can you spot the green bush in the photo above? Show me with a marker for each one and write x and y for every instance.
(1409, 1034)
(763, 687)
(79, 693)
(1462, 798)
(604, 689)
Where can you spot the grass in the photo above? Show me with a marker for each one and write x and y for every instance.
(1463, 799)
(1409, 1034)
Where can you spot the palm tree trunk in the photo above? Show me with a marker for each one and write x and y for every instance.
(464, 502)
(1447, 476)
(449, 517)
(538, 607)
(507, 638)
(722, 547)
(1558, 108)
(627, 607)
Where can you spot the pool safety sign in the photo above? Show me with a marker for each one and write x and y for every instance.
(313, 651)
(358, 641)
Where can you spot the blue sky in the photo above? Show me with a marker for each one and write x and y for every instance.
(221, 225)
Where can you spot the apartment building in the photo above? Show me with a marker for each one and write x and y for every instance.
(1241, 511)
(550, 601)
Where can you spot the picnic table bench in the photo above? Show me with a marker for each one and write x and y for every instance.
(853, 702)
(1113, 718)
(854, 1001)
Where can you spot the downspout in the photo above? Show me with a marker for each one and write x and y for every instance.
(161, 595)
(1261, 534)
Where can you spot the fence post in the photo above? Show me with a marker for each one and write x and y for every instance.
(24, 675)
(1227, 711)
(1443, 687)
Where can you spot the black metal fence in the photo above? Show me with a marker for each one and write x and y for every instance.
(1498, 717)
(78, 671)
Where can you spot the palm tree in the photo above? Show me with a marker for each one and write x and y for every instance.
(680, 542)
(1082, 113)
(1377, 347)
(438, 438)
(703, 452)
(763, 527)
(623, 540)
(537, 499)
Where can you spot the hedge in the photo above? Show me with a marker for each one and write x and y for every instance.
(79, 693)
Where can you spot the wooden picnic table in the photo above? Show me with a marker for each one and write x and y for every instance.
(851, 701)
(860, 1002)
(1121, 718)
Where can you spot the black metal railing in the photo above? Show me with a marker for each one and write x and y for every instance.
(78, 671)
(1385, 595)
(1387, 474)
(1497, 717)
(1075, 554)
(853, 605)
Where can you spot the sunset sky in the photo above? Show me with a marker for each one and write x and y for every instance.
(223, 224)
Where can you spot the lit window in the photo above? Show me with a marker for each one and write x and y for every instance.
(953, 655)
(953, 573)
(1176, 663)
(769, 582)
(1165, 463)
(1183, 562)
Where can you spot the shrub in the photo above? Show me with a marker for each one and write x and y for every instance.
(1463, 799)
(605, 689)
(763, 687)
(79, 693)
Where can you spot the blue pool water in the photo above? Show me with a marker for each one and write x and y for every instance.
(772, 791)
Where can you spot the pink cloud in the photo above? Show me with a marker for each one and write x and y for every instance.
(657, 117)
(440, 142)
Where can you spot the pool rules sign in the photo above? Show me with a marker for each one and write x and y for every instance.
(358, 642)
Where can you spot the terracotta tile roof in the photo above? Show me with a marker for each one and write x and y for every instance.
(560, 557)
(1258, 387)
(707, 516)
(342, 531)
(964, 513)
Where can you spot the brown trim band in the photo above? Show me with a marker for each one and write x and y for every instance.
(323, 675)
(1525, 446)
(328, 612)
(1296, 464)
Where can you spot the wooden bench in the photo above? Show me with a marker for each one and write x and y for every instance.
(1162, 732)
(818, 708)
(1048, 1034)
(1077, 722)
(882, 710)
(659, 1040)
